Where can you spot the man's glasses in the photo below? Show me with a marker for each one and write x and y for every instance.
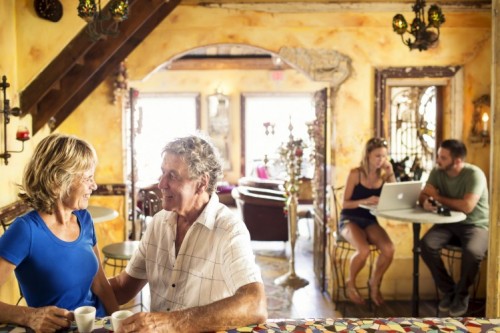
(377, 142)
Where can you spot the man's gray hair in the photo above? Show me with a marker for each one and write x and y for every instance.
(201, 158)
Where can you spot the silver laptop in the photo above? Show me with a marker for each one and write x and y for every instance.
(398, 195)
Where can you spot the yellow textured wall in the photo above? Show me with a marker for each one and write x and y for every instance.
(232, 83)
(366, 38)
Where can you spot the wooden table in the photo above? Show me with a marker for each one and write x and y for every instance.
(102, 214)
(417, 216)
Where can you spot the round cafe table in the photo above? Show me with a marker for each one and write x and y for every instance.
(102, 214)
(417, 216)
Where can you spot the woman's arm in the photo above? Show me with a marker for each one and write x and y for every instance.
(45, 319)
(102, 288)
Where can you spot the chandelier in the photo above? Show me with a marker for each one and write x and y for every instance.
(425, 35)
(101, 24)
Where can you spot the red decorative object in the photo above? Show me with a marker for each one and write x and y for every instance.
(22, 134)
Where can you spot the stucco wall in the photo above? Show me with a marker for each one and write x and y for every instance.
(366, 38)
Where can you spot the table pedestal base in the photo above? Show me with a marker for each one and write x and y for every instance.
(292, 280)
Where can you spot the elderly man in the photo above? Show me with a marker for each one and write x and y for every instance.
(196, 254)
(461, 187)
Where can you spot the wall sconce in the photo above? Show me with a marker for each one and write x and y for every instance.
(480, 121)
(22, 134)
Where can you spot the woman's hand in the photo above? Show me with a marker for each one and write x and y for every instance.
(387, 167)
(48, 319)
(373, 200)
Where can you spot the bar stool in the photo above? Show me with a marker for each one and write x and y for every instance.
(340, 253)
(117, 255)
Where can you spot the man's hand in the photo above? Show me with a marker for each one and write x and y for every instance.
(48, 319)
(147, 322)
(430, 204)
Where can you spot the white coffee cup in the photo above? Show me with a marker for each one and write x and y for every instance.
(84, 317)
(118, 316)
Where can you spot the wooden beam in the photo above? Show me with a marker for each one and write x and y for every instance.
(100, 58)
(224, 63)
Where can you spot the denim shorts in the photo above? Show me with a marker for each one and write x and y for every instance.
(361, 222)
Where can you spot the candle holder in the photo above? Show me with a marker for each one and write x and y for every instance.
(480, 120)
(292, 154)
(22, 134)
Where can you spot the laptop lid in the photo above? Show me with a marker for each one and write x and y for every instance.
(398, 195)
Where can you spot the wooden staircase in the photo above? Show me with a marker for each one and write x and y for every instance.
(83, 64)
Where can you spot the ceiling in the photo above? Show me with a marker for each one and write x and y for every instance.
(277, 6)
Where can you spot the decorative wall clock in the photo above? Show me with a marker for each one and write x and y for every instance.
(51, 10)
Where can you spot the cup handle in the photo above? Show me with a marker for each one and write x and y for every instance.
(106, 319)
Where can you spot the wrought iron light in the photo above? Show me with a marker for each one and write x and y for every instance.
(22, 134)
(101, 24)
(425, 35)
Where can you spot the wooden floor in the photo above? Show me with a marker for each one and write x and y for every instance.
(310, 302)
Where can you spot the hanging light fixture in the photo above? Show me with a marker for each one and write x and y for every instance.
(101, 24)
(425, 35)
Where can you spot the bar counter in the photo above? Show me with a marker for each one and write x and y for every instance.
(399, 324)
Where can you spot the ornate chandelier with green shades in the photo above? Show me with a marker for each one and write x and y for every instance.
(425, 35)
(102, 23)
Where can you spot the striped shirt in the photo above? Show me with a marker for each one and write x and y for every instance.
(214, 260)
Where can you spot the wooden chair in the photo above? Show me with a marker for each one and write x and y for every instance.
(5, 225)
(340, 253)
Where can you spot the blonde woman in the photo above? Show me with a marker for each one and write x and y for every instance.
(53, 248)
(361, 228)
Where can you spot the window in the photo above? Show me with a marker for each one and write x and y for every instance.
(261, 143)
(412, 130)
(159, 119)
(414, 108)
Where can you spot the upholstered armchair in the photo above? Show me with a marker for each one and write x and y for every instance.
(262, 211)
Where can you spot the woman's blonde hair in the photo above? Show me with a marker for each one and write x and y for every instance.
(371, 145)
(57, 160)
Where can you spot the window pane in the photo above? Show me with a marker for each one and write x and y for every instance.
(161, 118)
(278, 111)
(413, 130)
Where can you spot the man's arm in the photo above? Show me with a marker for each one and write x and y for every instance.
(247, 306)
(465, 204)
(429, 191)
(126, 287)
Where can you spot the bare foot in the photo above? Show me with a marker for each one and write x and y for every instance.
(375, 295)
(354, 295)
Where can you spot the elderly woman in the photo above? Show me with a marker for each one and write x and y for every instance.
(196, 254)
(53, 248)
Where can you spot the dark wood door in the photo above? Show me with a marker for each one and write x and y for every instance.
(320, 133)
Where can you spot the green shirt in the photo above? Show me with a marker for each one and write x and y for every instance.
(470, 180)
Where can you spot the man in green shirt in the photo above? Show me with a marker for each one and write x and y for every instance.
(461, 187)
